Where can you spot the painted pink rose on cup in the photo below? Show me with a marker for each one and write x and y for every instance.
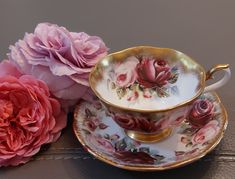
(206, 133)
(60, 58)
(101, 143)
(152, 73)
(161, 124)
(125, 73)
(179, 116)
(29, 116)
(201, 113)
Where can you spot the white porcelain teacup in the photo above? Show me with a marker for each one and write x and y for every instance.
(148, 90)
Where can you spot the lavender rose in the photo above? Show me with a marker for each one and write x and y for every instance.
(153, 72)
(61, 58)
(201, 113)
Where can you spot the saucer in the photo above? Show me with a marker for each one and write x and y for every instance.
(104, 139)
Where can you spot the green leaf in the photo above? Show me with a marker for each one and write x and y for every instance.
(113, 86)
(174, 75)
(162, 92)
(144, 149)
(189, 144)
(121, 92)
(158, 157)
(173, 78)
(121, 145)
(174, 69)
(106, 136)
(86, 132)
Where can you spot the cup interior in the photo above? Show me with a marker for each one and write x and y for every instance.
(147, 79)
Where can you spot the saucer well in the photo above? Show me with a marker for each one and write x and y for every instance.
(104, 139)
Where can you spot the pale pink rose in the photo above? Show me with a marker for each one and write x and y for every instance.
(100, 143)
(60, 58)
(125, 73)
(205, 134)
(29, 116)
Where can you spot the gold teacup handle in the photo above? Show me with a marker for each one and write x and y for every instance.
(218, 84)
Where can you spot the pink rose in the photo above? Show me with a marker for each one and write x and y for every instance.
(125, 73)
(29, 116)
(205, 134)
(100, 143)
(201, 112)
(153, 72)
(60, 58)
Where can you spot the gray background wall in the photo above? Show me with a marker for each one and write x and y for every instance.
(199, 28)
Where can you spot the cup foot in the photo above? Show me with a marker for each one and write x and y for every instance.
(148, 138)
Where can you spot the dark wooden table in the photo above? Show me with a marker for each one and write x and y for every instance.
(203, 29)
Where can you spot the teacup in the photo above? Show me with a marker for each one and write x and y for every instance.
(149, 90)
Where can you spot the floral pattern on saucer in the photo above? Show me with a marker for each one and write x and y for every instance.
(146, 76)
(102, 137)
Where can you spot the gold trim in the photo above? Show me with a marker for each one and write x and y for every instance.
(218, 67)
(210, 147)
(120, 55)
(149, 137)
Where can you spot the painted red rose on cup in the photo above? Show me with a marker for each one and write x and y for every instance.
(125, 73)
(140, 123)
(29, 116)
(152, 73)
(201, 113)
(206, 133)
(126, 121)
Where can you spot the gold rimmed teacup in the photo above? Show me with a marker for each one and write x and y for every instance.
(147, 90)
